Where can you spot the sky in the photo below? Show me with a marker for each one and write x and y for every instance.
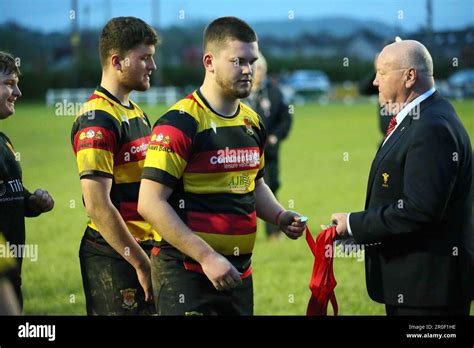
(55, 15)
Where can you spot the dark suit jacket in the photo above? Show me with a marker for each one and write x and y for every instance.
(418, 207)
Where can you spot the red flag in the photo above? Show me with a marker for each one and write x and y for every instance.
(322, 280)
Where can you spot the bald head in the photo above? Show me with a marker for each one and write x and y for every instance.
(404, 72)
(410, 54)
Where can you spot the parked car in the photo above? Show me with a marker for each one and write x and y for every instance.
(460, 84)
(307, 84)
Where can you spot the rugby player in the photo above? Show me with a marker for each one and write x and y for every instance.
(110, 138)
(203, 187)
(16, 202)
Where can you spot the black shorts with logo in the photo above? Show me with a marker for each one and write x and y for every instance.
(110, 283)
(180, 288)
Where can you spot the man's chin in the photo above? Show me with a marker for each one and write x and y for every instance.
(142, 87)
(5, 113)
(241, 94)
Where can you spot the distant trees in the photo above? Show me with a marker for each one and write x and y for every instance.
(50, 60)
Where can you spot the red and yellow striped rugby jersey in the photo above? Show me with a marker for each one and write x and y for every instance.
(111, 140)
(212, 163)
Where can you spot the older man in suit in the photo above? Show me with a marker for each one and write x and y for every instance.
(416, 227)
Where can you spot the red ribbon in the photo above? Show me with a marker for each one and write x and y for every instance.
(322, 280)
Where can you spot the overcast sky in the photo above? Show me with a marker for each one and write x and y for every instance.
(51, 15)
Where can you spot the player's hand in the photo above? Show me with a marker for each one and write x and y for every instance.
(144, 277)
(340, 219)
(40, 201)
(290, 223)
(221, 272)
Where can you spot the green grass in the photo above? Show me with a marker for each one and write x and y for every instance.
(316, 181)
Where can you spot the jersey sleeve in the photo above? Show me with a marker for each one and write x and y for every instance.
(95, 140)
(170, 148)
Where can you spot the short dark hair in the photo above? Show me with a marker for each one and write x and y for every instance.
(123, 34)
(8, 64)
(223, 29)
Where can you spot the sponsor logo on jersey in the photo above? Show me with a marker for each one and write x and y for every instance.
(239, 183)
(248, 125)
(161, 142)
(143, 147)
(244, 157)
(90, 134)
(160, 138)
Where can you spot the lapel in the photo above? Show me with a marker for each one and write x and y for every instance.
(392, 141)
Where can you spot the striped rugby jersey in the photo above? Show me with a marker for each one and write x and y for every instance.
(211, 162)
(111, 140)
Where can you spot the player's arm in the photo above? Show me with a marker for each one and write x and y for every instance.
(153, 206)
(270, 210)
(96, 192)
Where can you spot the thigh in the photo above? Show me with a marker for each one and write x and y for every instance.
(240, 301)
(178, 291)
(111, 286)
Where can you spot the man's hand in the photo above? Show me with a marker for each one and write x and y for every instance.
(221, 272)
(40, 201)
(144, 277)
(340, 219)
(289, 222)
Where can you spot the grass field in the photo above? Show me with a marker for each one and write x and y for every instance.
(324, 168)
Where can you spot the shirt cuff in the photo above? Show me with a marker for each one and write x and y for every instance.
(349, 225)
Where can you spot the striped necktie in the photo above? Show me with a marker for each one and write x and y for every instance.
(391, 126)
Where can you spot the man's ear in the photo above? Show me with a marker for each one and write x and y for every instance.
(208, 61)
(116, 62)
(410, 78)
